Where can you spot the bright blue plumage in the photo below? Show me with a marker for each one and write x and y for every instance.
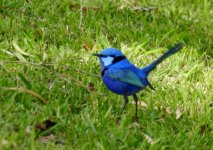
(122, 77)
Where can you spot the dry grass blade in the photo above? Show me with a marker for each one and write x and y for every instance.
(148, 139)
(47, 138)
(19, 50)
(20, 57)
(167, 110)
(21, 89)
(179, 112)
(90, 8)
(140, 103)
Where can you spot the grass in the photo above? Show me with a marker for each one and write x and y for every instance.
(45, 52)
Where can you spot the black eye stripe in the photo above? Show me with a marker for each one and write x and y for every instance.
(117, 59)
(112, 56)
(102, 55)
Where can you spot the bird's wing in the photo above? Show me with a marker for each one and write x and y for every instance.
(127, 76)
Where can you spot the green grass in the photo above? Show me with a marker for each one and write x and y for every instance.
(56, 40)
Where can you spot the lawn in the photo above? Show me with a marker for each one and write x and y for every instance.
(51, 92)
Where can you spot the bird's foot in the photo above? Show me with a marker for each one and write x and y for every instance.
(135, 119)
(118, 121)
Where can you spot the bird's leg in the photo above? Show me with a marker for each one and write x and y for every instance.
(136, 107)
(125, 101)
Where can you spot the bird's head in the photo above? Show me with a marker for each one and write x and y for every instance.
(110, 56)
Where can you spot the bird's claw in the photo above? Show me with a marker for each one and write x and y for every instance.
(135, 119)
(118, 120)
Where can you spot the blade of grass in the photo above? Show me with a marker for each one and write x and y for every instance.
(21, 89)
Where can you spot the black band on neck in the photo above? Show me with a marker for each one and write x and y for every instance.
(103, 71)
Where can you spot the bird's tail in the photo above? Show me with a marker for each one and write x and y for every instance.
(170, 52)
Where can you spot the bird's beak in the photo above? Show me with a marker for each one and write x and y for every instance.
(96, 55)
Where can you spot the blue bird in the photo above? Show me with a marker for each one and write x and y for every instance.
(123, 78)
